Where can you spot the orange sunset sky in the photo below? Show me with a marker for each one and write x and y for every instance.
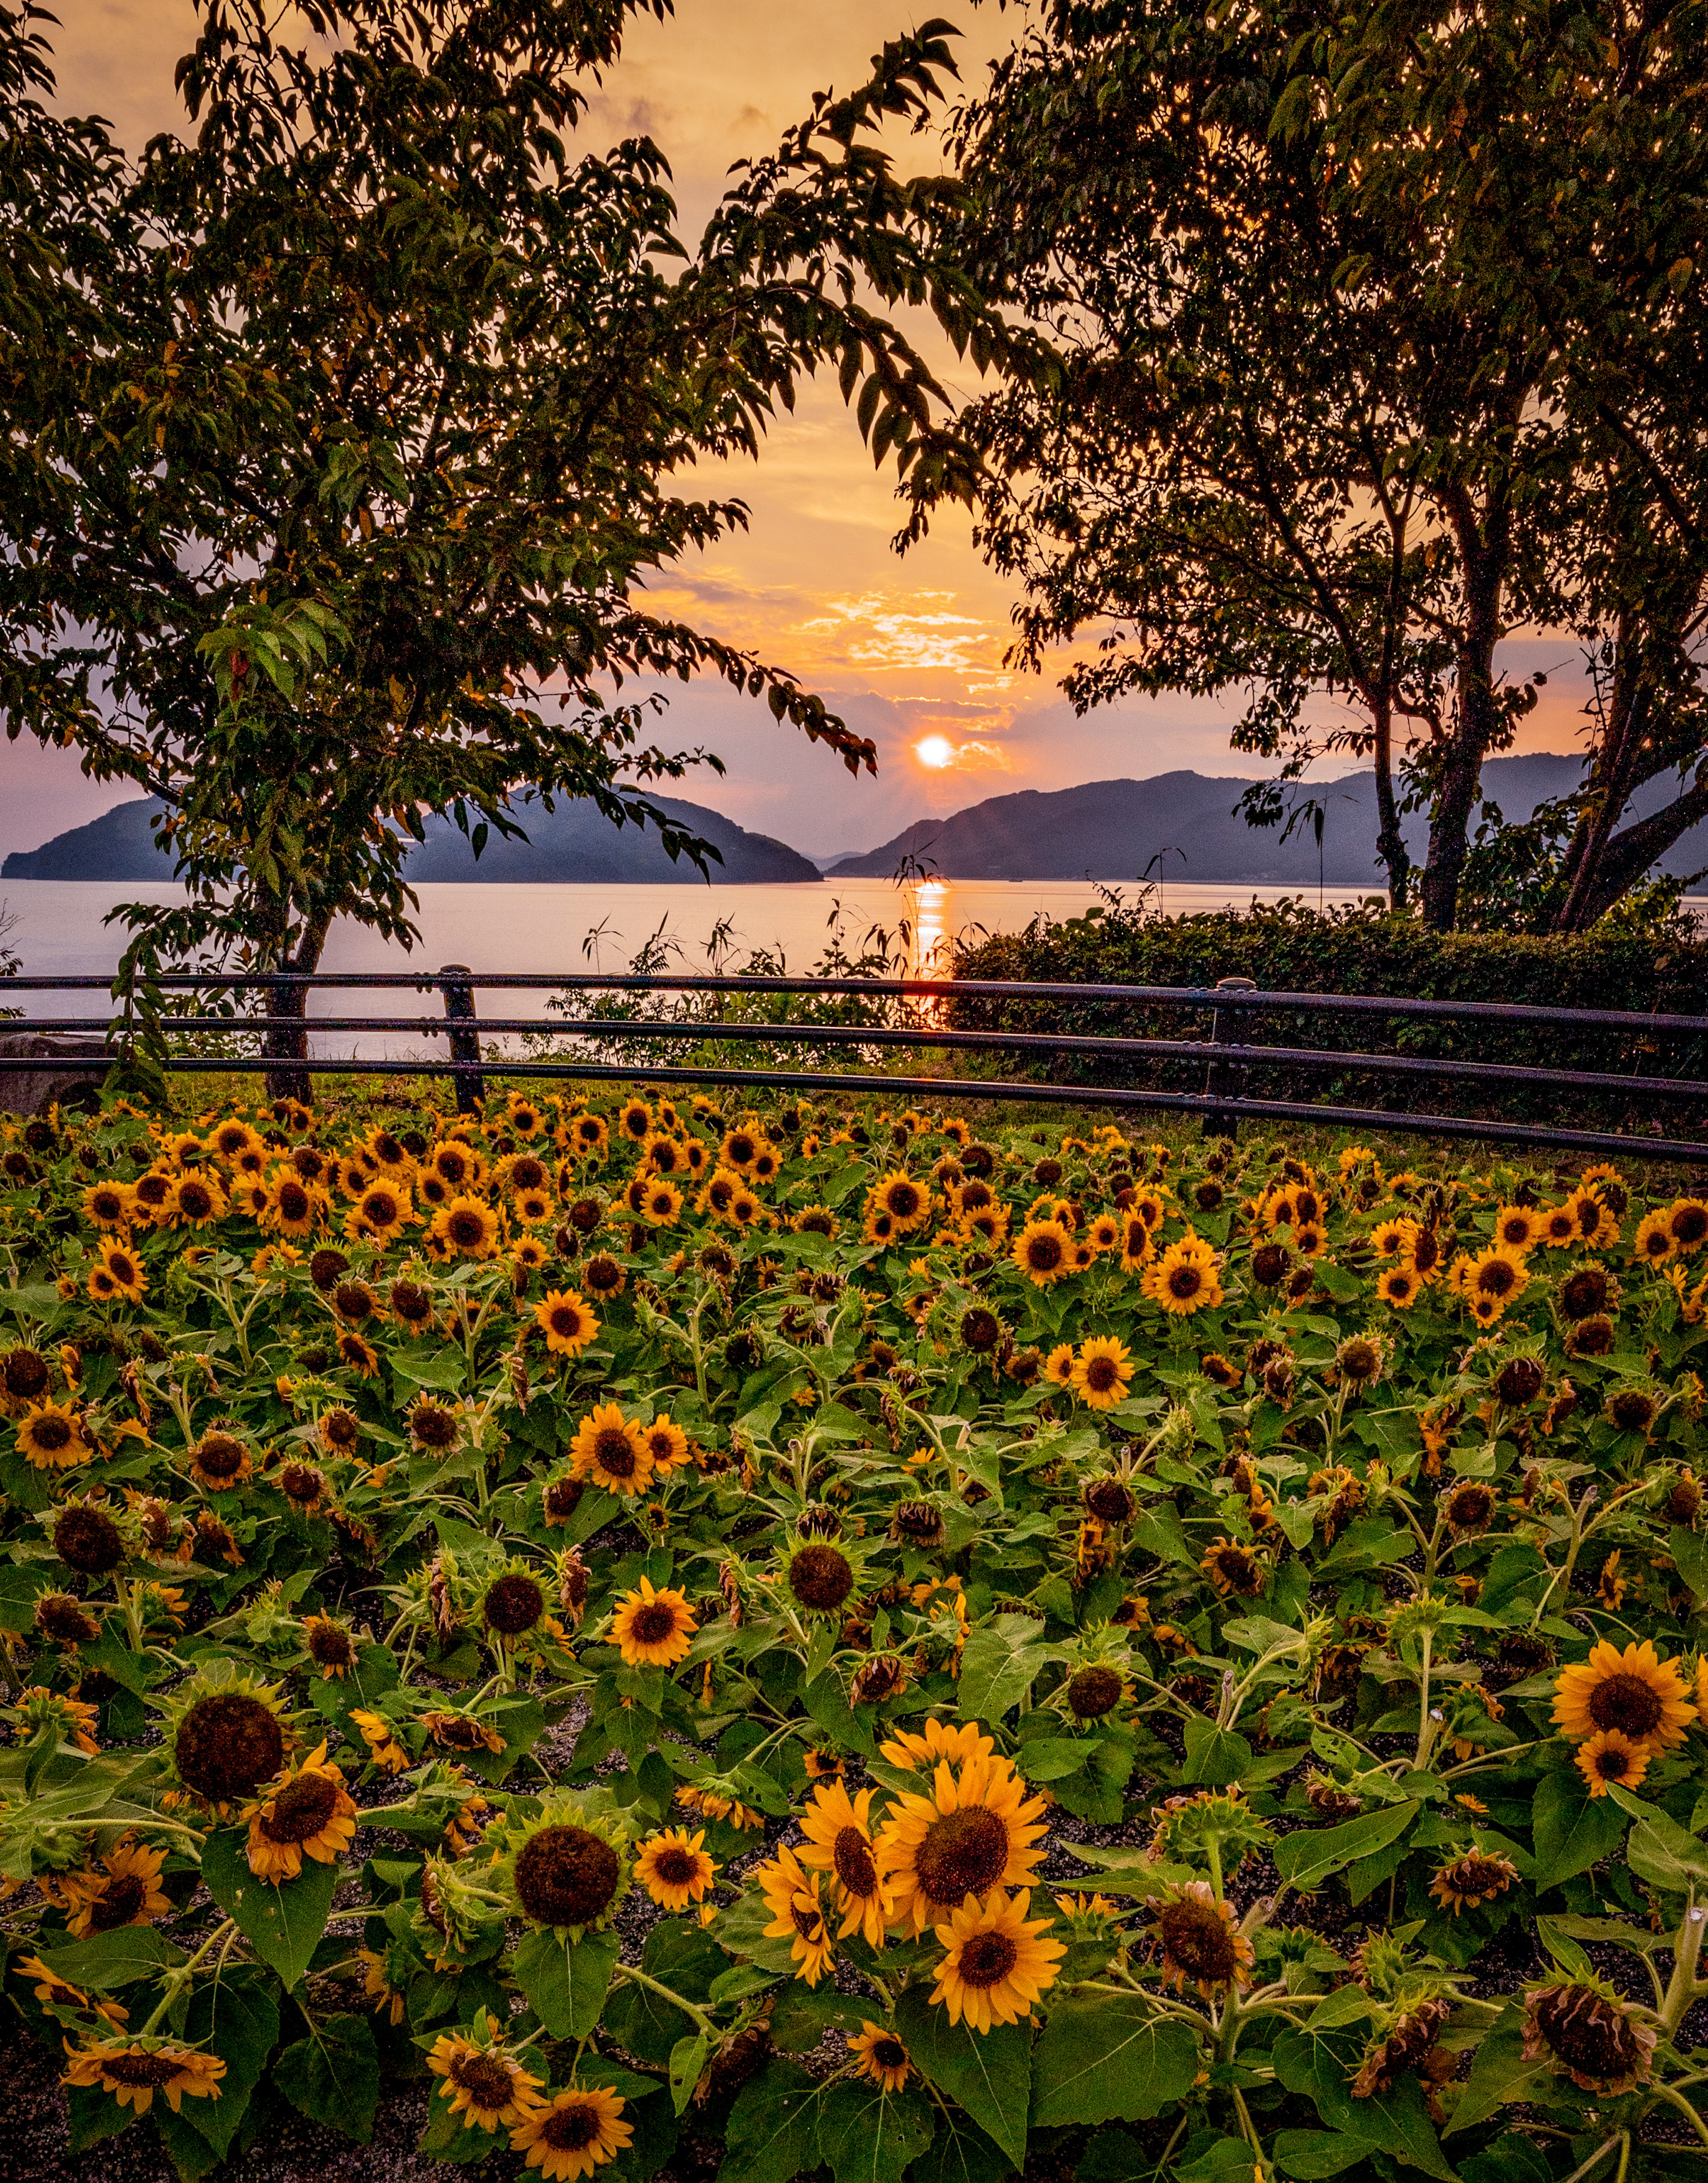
(910, 651)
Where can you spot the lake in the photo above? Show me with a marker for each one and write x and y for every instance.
(57, 929)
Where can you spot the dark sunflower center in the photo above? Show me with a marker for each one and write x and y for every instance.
(819, 1576)
(1612, 1763)
(227, 1745)
(566, 1321)
(25, 1375)
(1588, 2032)
(1044, 1253)
(566, 1875)
(564, 1498)
(1197, 1938)
(1110, 1501)
(51, 1433)
(809, 1922)
(514, 1603)
(467, 1230)
(1102, 1375)
(151, 2071)
(1184, 1281)
(614, 1453)
(486, 2082)
(1626, 1702)
(432, 1426)
(890, 2053)
(332, 1647)
(674, 1866)
(1498, 1278)
(301, 1808)
(1093, 1693)
(88, 1540)
(1632, 1413)
(220, 1456)
(301, 1481)
(119, 1903)
(572, 2129)
(964, 1853)
(65, 1620)
(1689, 1225)
(987, 1959)
(653, 1622)
(855, 1868)
(293, 1201)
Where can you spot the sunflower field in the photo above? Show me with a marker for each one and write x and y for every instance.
(824, 1642)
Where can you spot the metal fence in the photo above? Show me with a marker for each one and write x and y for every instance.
(1226, 1051)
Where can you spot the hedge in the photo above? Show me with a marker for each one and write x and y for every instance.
(1286, 948)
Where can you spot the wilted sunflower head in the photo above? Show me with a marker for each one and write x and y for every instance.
(1583, 2028)
(514, 1603)
(820, 1575)
(89, 1539)
(226, 1736)
(1199, 1944)
(1359, 1359)
(568, 1868)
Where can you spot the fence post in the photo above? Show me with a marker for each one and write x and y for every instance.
(465, 1045)
(1227, 1079)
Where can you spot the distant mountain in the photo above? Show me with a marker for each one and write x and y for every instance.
(573, 842)
(1182, 827)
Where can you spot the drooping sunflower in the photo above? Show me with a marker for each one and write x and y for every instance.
(134, 2070)
(880, 2055)
(577, 2131)
(609, 1449)
(121, 1888)
(307, 1813)
(652, 1628)
(838, 1829)
(1474, 1876)
(1585, 2029)
(1199, 1938)
(567, 1868)
(1186, 1278)
(1233, 1568)
(996, 1966)
(969, 1835)
(1635, 1693)
(51, 1437)
(483, 2083)
(1102, 1372)
(794, 1898)
(674, 1868)
(567, 1322)
(467, 1227)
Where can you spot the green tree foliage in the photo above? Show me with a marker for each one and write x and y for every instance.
(1324, 411)
(343, 436)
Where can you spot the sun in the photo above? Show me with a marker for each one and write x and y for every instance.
(935, 751)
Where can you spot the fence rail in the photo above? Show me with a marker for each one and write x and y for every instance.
(1227, 1053)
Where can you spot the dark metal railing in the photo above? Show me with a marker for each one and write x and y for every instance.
(1226, 1053)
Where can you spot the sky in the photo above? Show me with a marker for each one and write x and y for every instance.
(909, 651)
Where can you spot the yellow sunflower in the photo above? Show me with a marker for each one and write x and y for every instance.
(996, 1966)
(1474, 1876)
(937, 1741)
(293, 1207)
(907, 1202)
(467, 1227)
(1058, 1365)
(1688, 1218)
(880, 2055)
(488, 2087)
(1595, 1224)
(197, 1201)
(968, 1837)
(108, 1205)
(674, 1868)
(1608, 1759)
(384, 1749)
(307, 1813)
(652, 1629)
(383, 1211)
(609, 1449)
(1653, 1244)
(133, 2069)
(50, 1437)
(1400, 1286)
(838, 1829)
(1043, 1252)
(666, 1442)
(1102, 1373)
(1635, 1693)
(576, 2131)
(566, 1321)
(792, 1895)
(1185, 1279)
(123, 1889)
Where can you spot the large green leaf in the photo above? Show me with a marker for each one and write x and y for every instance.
(120, 1957)
(989, 2073)
(236, 2015)
(1500, 2073)
(960, 2153)
(566, 1985)
(869, 2135)
(1393, 2122)
(1310, 2154)
(1305, 1859)
(283, 1925)
(333, 2075)
(1571, 1828)
(1665, 1854)
(1106, 2060)
(999, 1664)
(772, 2134)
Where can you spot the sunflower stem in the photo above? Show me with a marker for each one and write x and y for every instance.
(173, 1981)
(1426, 1727)
(695, 2015)
(1687, 1955)
(1595, 2159)
(1678, 2100)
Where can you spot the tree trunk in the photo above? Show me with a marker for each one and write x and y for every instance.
(1477, 721)
(290, 1042)
(1625, 858)
(1613, 774)
(1390, 842)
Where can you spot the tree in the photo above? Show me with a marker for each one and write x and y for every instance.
(1286, 439)
(338, 458)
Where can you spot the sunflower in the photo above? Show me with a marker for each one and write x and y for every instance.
(50, 1437)
(488, 2087)
(224, 1737)
(660, 1204)
(382, 1212)
(1058, 1365)
(1105, 1233)
(668, 1445)
(514, 1606)
(607, 1448)
(1185, 1279)
(467, 1227)
(55, 1992)
(1494, 1277)
(880, 2055)
(1635, 1693)
(1474, 1876)
(330, 1646)
(652, 1629)
(384, 1749)
(1042, 1253)
(574, 2132)
(996, 1967)
(967, 1838)
(1201, 1944)
(1688, 1219)
(1233, 1569)
(1595, 1224)
(1583, 2028)
(566, 1321)
(292, 1207)
(913, 1749)
(567, 1868)
(792, 1895)
(838, 1829)
(1518, 1228)
(1653, 1244)
(133, 2069)
(1102, 1373)
(308, 1813)
(197, 1201)
(108, 1205)
(674, 1868)
(356, 1350)
(123, 1889)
